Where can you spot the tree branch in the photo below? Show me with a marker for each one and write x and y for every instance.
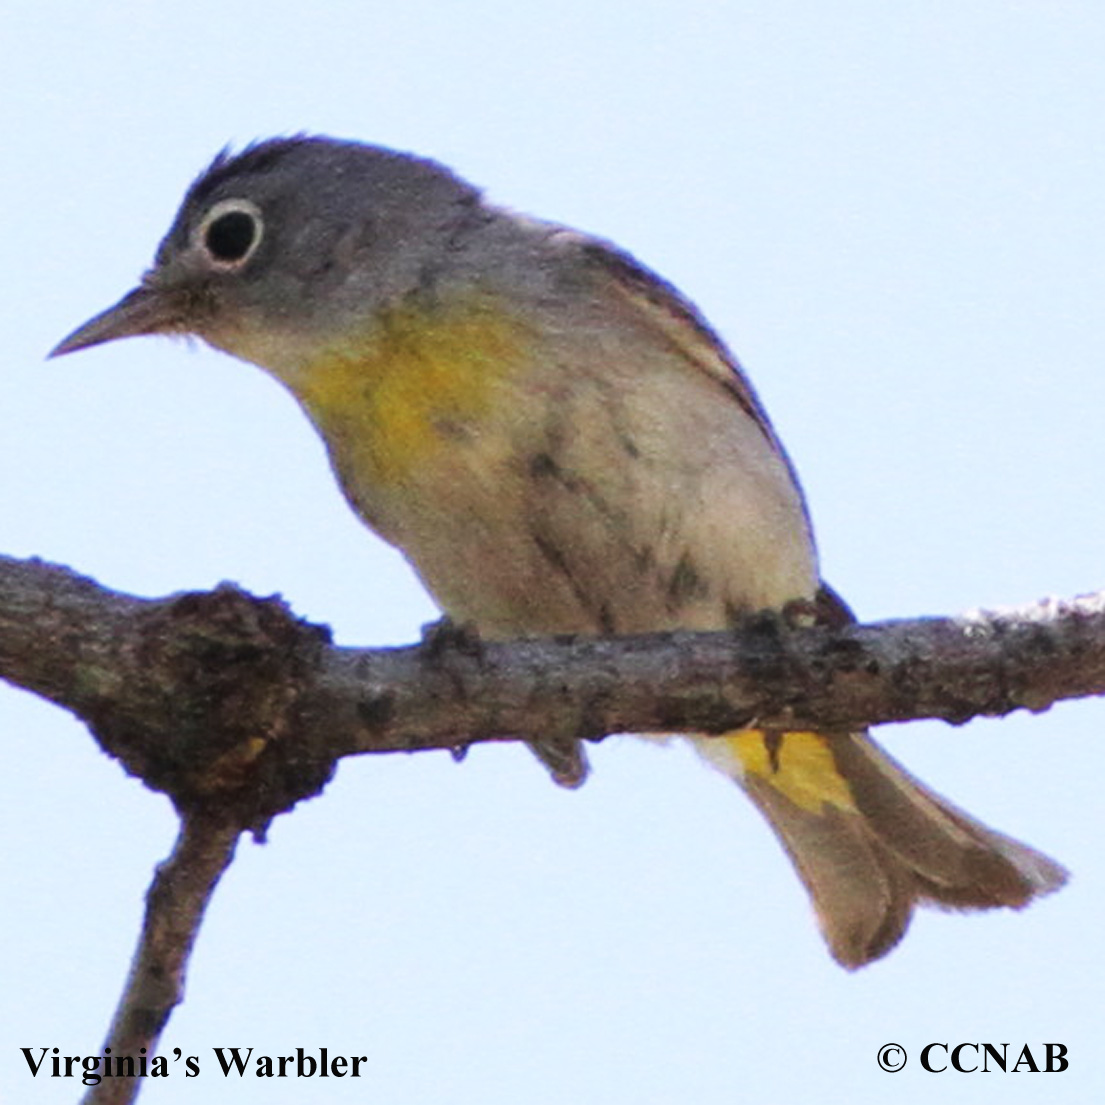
(237, 710)
(175, 905)
(195, 692)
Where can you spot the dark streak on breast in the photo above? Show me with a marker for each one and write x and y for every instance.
(685, 583)
(602, 615)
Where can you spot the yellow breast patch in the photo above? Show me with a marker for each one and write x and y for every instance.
(391, 397)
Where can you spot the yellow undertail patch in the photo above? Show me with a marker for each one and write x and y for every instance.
(799, 765)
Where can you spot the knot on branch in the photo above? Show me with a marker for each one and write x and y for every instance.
(209, 711)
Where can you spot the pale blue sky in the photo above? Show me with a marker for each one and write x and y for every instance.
(893, 212)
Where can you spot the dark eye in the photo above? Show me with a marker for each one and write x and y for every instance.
(230, 236)
(230, 233)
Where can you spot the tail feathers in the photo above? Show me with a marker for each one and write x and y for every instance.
(870, 842)
(958, 861)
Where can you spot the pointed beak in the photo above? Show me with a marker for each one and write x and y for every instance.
(146, 310)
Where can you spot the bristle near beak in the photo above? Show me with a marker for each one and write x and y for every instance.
(144, 310)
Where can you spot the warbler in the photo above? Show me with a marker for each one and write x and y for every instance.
(560, 444)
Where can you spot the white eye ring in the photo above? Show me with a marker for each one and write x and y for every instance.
(230, 233)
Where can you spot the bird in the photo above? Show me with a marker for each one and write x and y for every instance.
(559, 443)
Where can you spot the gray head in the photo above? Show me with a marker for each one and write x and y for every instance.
(289, 234)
